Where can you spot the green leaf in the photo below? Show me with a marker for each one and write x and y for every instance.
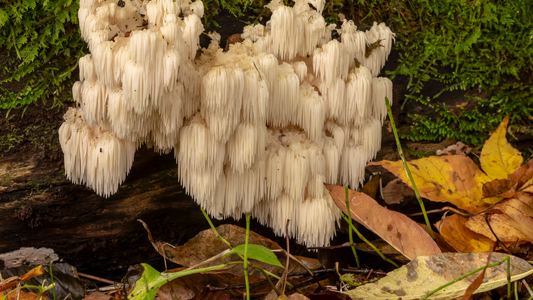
(147, 286)
(4, 17)
(257, 252)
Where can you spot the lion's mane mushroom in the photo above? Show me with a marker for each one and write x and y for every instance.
(257, 129)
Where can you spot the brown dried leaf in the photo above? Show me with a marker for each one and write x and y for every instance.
(207, 294)
(395, 228)
(478, 281)
(462, 239)
(395, 191)
(507, 187)
(37, 271)
(455, 149)
(510, 220)
(371, 187)
(26, 296)
(190, 286)
(206, 245)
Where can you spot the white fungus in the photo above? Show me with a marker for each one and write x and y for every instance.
(256, 129)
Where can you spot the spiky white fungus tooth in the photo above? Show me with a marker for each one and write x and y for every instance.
(146, 82)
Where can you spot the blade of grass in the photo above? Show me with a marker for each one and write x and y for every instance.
(369, 243)
(508, 259)
(246, 257)
(350, 228)
(52, 277)
(400, 152)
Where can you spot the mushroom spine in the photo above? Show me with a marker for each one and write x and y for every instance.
(257, 129)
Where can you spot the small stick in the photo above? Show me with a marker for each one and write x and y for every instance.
(446, 208)
(209, 260)
(368, 276)
(527, 287)
(294, 258)
(499, 242)
(97, 278)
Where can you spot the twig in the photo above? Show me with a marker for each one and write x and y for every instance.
(294, 258)
(499, 242)
(347, 244)
(350, 227)
(209, 260)
(97, 278)
(19, 283)
(446, 208)
(107, 288)
(405, 165)
(527, 287)
(368, 276)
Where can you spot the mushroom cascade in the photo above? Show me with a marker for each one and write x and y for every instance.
(257, 129)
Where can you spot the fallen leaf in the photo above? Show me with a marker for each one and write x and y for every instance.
(498, 158)
(383, 247)
(207, 294)
(97, 296)
(328, 295)
(426, 273)
(395, 228)
(443, 245)
(395, 191)
(508, 187)
(477, 282)
(151, 280)
(65, 279)
(297, 296)
(371, 187)
(25, 296)
(455, 149)
(510, 220)
(21, 272)
(452, 178)
(206, 245)
(188, 287)
(462, 239)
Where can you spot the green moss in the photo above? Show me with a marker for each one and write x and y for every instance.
(42, 134)
(456, 44)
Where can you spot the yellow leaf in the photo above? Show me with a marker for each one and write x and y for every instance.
(452, 178)
(426, 273)
(498, 158)
(462, 239)
(510, 220)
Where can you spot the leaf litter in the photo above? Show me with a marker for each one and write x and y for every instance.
(495, 204)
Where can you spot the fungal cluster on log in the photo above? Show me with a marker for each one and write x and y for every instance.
(256, 129)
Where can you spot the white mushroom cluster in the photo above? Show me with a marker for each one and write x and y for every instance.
(257, 129)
